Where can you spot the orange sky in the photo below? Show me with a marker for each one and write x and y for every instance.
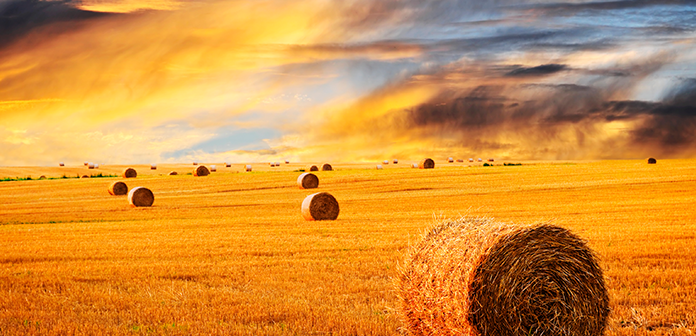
(175, 81)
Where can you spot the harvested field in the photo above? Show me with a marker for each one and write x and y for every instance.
(231, 253)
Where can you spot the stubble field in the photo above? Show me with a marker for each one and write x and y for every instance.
(230, 253)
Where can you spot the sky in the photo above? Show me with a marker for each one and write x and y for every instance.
(158, 81)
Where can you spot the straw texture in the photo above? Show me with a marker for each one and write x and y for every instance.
(479, 277)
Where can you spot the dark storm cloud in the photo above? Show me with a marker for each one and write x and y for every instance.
(19, 17)
(541, 70)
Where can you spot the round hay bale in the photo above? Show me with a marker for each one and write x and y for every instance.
(427, 164)
(153, 167)
(307, 181)
(471, 160)
(85, 176)
(379, 167)
(414, 165)
(479, 277)
(386, 162)
(248, 168)
(201, 171)
(173, 173)
(326, 167)
(272, 164)
(86, 163)
(90, 165)
(460, 160)
(490, 160)
(312, 168)
(480, 160)
(396, 161)
(130, 173)
(118, 188)
(652, 161)
(42, 177)
(141, 197)
(450, 160)
(195, 163)
(96, 166)
(228, 165)
(62, 164)
(213, 168)
(287, 161)
(320, 206)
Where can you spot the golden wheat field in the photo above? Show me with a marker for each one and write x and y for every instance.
(230, 254)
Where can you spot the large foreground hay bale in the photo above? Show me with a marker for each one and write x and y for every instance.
(118, 188)
(326, 167)
(130, 173)
(427, 164)
(312, 168)
(479, 277)
(320, 206)
(141, 197)
(652, 161)
(307, 181)
(201, 171)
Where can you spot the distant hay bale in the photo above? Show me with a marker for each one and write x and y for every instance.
(195, 163)
(307, 181)
(272, 164)
(248, 168)
(118, 188)
(90, 165)
(86, 163)
(141, 197)
(320, 206)
(130, 173)
(153, 167)
(96, 166)
(479, 277)
(396, 161)
(379, 167)
(427, 164)
(491, 160)
(652, 161)
(173, 173)
(471, 160)
(201, 171)
(85, 176)
(228, 165)
(213, 168)
(312, 168)
(414, 165)
(480, 160)
(326, 167)
(450, 160)
(287, 161)
(386, 162)
(460, 160)
(42, 177)
(62, 164)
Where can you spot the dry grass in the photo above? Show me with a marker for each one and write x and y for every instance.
(231, 253)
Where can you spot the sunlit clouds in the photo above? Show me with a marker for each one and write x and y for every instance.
(172, 81)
